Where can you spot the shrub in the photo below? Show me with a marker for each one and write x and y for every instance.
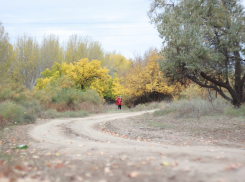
(15, 113)
(92, 96)
(67, 98)
(32, 106)
(50, 113)
(14, 92)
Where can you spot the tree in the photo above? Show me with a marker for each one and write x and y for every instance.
(144, 79)
(85, 73)
(116, 63)
(81, 75)
(27, 66)
(6, 54)
(204, 42)
(82, 47)
(50, 52)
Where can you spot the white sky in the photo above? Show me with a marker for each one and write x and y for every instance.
(121, 25)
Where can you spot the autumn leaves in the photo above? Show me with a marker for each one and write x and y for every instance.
(136, 78)
(81, 75)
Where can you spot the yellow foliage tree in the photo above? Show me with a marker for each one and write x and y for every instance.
(84, 73)
(145, 78)
(80, 75)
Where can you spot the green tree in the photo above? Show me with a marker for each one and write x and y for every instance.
(27, 66)
(6, 55)
(116, 63)
(204, 42)
(79, 47)
(50, 52)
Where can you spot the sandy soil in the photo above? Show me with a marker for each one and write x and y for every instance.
(110, 147)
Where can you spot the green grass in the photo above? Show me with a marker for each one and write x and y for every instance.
(231, 111)
(53, 113)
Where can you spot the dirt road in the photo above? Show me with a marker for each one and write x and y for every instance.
(111, 158)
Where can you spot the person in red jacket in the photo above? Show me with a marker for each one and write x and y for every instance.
(119, 102)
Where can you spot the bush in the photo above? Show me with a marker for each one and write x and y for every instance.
(32, 106)
(67, 98)
(50, 113)
(14, 92)
(195, 107)
(15, 113)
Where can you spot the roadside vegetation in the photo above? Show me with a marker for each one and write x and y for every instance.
(196, 81)
(47, 80)
(194, 102)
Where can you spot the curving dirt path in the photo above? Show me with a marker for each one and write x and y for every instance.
(77, 139)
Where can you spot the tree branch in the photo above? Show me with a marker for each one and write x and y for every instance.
(209, 86)
(219, 83)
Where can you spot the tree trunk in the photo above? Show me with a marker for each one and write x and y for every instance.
(237, 99)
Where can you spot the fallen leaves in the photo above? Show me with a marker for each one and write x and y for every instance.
(88, 175)
(79, 178)
(20, 168)
(133, 174)
(48, 164)
(219, 157)
(233, 166)
(95, 168)
(59, 165)
(55, 166)
(174, 164)
(107, 170)
(123, 158)
(165, 163)
(102, 153)
(197, 159)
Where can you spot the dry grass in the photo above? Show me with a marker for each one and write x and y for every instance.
(195, 107)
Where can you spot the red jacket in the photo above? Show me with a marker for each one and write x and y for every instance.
(119, 101)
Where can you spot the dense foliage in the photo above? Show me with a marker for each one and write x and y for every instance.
(203, 42)
(144, 81)
(79, 75)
